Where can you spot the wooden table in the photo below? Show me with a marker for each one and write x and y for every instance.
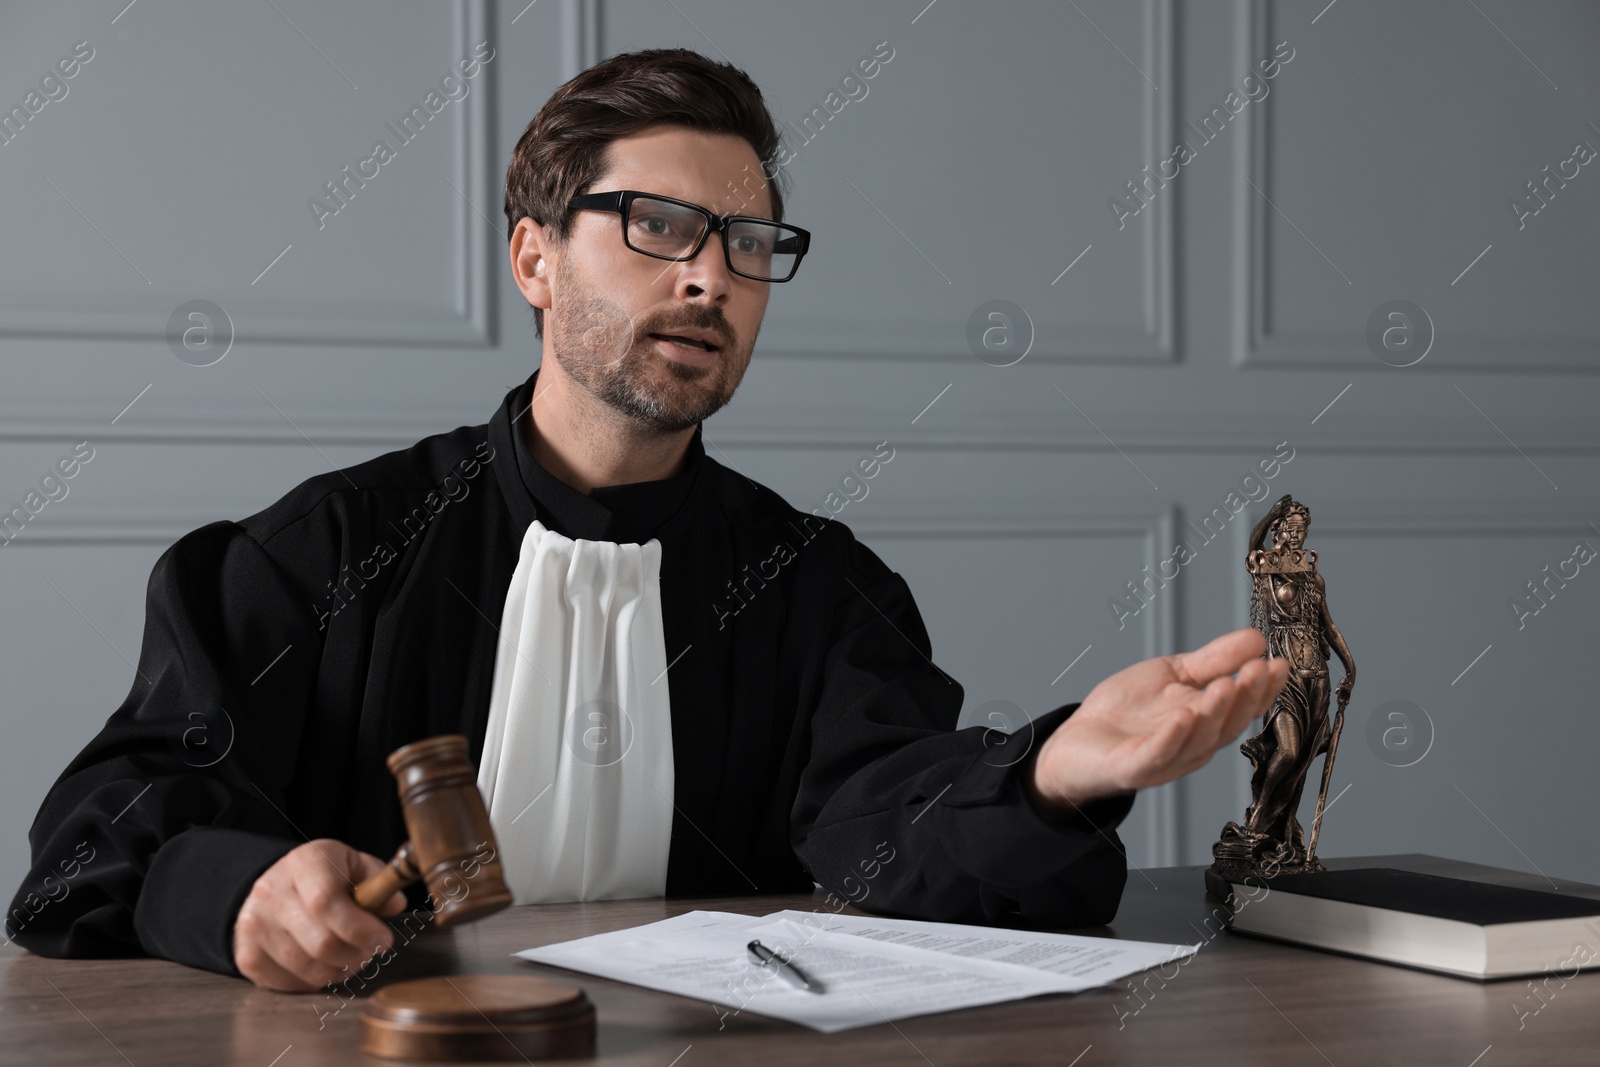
(1238, 1002)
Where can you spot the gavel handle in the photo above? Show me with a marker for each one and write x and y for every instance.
(401, 872)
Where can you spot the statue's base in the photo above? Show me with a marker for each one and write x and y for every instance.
(1241, 854)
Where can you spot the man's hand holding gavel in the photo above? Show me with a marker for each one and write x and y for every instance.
(300, 928)
(311, 918)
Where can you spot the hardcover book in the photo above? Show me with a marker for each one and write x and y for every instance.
(1450, 925)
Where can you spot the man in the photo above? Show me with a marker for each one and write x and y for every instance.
(672, 682)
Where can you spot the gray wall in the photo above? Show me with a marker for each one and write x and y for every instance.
(1187, 340)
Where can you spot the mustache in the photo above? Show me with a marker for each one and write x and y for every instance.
(715, 324)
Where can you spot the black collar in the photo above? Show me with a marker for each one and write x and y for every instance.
(626, 514)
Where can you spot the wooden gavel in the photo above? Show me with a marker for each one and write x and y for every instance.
(452, 848)
(451, 845)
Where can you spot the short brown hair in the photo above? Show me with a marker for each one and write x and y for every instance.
(563, 149)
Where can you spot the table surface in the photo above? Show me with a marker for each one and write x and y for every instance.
(1239, 1001)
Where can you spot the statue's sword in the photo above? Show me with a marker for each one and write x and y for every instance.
(1327, 776)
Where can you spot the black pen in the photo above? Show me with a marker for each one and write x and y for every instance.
(761, 954)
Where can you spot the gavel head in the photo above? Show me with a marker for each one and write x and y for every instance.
(452, 842)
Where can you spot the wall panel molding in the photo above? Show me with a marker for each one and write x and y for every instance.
(583, 25)
(392, 429)
(299, 322)
(1260, 343)
(98, 529)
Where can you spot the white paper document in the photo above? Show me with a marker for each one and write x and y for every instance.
(874, 970)
(1091, 960)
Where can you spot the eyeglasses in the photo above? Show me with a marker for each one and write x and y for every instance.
(676, 230)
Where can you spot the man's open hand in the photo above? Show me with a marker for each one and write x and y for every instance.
(1155, 721)
(300, 925)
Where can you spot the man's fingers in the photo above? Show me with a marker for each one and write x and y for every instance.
(254, 960)
(317, 940)
(300, 927)
(1194, 725)
(365, 866)
(1218, 709)
(1170, 739)
(1260, 684)
(339, 861)
(1219, 657)
(1226, 705)
(1161, 749)
(282, 945)
(1184, 731)
(1253, 693)
(1273, 674)
(326, 922)
(1214, 705)
(362, 865)
(330, 900)
(354, 867)
(266, 972)
(355, 926)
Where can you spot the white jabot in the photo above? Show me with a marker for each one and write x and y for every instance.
(577, 756)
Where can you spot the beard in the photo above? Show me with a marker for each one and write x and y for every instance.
(612, 356)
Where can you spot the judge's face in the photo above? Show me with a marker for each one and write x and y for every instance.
(608, 302)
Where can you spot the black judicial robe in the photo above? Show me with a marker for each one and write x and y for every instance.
(286, 655)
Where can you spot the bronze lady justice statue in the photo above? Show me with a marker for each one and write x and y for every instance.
(1288, 604)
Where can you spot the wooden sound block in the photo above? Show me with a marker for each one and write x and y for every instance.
(478, 1017)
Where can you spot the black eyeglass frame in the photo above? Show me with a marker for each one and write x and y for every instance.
(621, 202)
